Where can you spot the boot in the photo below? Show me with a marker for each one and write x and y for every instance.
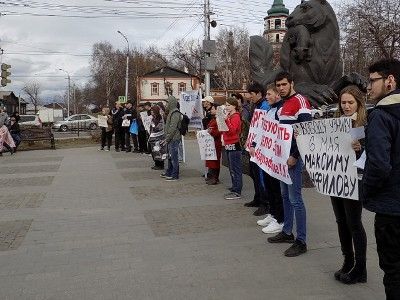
(357, 274)
(348, 264)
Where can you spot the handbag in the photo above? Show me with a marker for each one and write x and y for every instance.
(134, 127)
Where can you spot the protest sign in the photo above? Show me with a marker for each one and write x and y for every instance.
(220, 117)
(325, 147)
(146, 120)
(206, 145)
(190, 105)
(255, 125)
(102, 121)
(273, 142)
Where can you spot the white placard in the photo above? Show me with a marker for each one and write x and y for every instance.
(272, 150)
(220, 117)
(146, 120)
(360, 163)
(325, 147)
(255, 125)
(206, 145)
(102, 121)
(190, 105)
(357, 133)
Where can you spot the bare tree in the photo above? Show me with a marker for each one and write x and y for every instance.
(187, 54)
(232, 63)
(371, 31)
(32, 90)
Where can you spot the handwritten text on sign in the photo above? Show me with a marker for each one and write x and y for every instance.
(272, 150)
(206, 145)
(255, 125)
(325, 147)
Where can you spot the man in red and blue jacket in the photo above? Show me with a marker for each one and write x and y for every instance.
(295, 109)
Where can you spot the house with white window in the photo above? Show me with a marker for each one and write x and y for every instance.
(159, 84)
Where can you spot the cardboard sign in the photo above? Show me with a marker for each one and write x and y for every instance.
(206, 145)
(255, 125)
(272, 150)
(325, 147)
(220, 117)
(190, 105)
(102, 121)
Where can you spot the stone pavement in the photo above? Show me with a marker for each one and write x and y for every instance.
(84, 224)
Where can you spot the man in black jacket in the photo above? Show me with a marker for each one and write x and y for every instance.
(130, 114)
(117, 113)
(381, 181)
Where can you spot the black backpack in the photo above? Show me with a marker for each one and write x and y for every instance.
(183, 125)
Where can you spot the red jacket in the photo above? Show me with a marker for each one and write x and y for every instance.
(216, 134)
(234, 123)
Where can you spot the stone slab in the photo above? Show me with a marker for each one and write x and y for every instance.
(12, 233)
(23, 200)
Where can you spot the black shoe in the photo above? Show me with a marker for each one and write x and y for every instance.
(252, 204)
(128, 150)
(354, 276)
(262, 210)
(117, 150)
(281, 237)
(157, 168)
(296, 249)
(348, 264)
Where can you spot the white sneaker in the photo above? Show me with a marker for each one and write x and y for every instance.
(273, 227)
(264, 222)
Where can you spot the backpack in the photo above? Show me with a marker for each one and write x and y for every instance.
(183, 125)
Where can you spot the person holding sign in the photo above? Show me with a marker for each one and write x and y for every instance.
(347, 211)
(214, 166)
(106, 132)
(260, 200)
(273, 222)
(231, 140)
(295, 109)
(381, 181)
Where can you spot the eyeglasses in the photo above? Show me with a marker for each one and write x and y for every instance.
(372, 80)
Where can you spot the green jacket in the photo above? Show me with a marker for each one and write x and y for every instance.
(173, 121)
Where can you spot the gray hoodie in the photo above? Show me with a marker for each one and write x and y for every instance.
(173, 120)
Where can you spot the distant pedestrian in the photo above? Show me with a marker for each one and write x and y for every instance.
(130, 116)
(106, 132)
(173, 139)
(117, 113)
(15, 131)
(381, 180)
(214, 166)
(207, 102)
(231, 140)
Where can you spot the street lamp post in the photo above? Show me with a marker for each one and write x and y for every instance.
(127, 66)
(69, 90)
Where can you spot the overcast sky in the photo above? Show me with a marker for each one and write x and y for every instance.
(37, 45)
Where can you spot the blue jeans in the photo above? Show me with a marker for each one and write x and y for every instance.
(235, 169)
(293, 203)
(173, 160)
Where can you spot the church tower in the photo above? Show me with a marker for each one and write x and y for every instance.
(275, 26)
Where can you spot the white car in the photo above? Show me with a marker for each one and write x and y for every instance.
(29, 120)
(74, 122)
(316, 113)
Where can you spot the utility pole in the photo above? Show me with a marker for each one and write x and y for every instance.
(73, 92)
(127, 66)
(207, 38)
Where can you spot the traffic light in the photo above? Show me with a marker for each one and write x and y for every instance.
(4, 74)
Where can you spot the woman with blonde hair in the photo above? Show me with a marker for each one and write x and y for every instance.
(353, 240)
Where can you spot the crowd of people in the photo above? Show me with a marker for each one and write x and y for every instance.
(281, 205)
(10, 133)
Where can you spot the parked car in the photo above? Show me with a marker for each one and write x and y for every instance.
(29, 120)
(316, 113)
(81, 121)
(330, 110)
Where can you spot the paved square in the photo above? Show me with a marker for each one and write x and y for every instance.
(18, 159)
(197, 219)
(153, 174)
(29, 181)
(29, 169)
(124, 164)
(27, 200)
(12, 233)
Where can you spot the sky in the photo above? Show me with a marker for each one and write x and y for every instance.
(40, 37)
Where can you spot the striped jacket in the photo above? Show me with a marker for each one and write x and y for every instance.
(295, 109)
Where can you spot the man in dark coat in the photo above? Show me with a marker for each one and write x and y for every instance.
(381, 181)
